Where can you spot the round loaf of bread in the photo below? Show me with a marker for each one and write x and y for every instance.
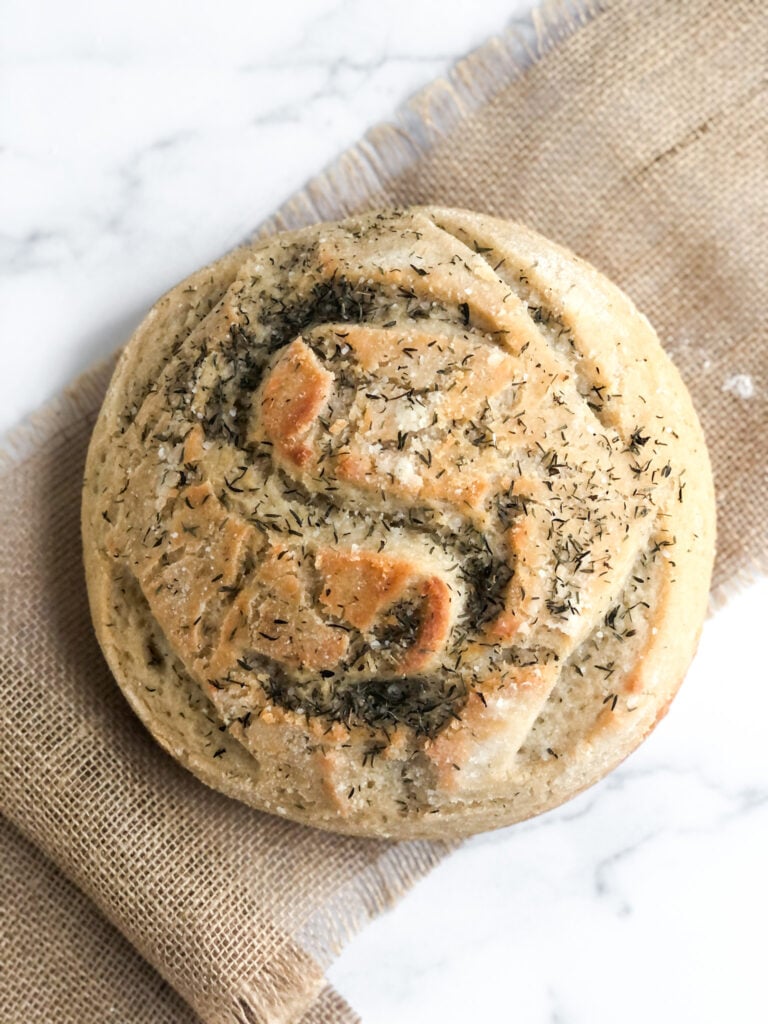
(401, 526)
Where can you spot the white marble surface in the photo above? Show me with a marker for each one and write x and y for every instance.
(139, 142)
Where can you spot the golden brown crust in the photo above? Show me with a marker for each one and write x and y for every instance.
(401, 526)
(292, 396)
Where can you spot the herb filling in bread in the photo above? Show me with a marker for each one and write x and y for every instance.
(400, 526)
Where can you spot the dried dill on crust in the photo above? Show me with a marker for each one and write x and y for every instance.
(422, 703)
(487, 577)
(249, 347)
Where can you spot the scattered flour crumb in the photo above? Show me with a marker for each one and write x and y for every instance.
(406, 474)
(741, 385)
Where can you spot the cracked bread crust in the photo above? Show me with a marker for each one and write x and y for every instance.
(398, 527)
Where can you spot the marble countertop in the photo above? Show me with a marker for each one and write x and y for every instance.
(134, 149)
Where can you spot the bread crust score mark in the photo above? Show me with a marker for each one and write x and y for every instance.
(401, 526)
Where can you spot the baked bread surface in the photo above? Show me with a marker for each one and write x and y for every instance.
(401, 526)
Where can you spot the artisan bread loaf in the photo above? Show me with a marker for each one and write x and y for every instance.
(401, 526)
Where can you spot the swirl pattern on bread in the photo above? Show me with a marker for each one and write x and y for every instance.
(399, 526)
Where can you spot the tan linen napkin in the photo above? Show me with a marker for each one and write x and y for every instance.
(61, 960)
(640, 138)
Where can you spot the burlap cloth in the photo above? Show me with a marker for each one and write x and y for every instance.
(637, 134)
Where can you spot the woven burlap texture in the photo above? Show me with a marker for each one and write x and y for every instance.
(640, 139)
